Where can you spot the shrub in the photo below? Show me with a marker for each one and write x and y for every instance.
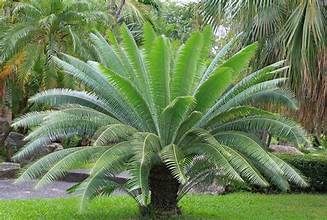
(314, 167)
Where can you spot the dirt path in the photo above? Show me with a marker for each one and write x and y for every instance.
(8, 190)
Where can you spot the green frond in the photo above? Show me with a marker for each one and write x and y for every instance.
(15, 39)
(149, 36)
(41, 166)
(188, 124)
(245, 95)
(206, 47)
(213, 152)
(215, 85)
(71, 161)
(159, 70)
(199, 171)
(248, 146)
(214, 63)
(26, 9)
(90, 75)
(275, 125)
(277, 96)
(173, 157)
(103, 88)
(64, 122)
(82, 112)
(113, 154)
(122, 54)
(31, 147)
(275, 178)
(186, 65)
(241, 59)
(261, 75)
(236, 113)
(112, 134)
(201, 142)
(133, 98)
(244, 167)
(81, 71)
(172, 118)
(290, 173)
(79, 47)
(135, 58)
(107, 55)
(57, 97)
(97, 184)
(30, 119)
(101, 180)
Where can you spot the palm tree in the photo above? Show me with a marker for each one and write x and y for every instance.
(171, 123)
(291, 29)
(33, 31)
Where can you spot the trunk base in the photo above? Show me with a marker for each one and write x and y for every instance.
(155, 213)
(164, 188)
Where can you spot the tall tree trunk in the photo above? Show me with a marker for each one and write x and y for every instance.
(269, 140)
(119, 11)
(164, 188)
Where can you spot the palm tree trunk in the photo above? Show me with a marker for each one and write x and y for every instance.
(119, 11)
(164, 188)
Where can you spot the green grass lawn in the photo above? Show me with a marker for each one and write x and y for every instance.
(233, 206)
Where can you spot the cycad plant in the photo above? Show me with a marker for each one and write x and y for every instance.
(170, 123)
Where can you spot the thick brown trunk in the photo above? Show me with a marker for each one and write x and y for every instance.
(164, 188)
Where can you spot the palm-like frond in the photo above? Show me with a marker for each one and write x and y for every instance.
(40, 167)
(186, 65)
(112, 134)
(245, 168)
(291, 173)
(69, 162)
(173, 157)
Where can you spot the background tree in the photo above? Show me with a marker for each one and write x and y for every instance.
(150, 114)
(177, 21)
(295, 30)
(33, 31)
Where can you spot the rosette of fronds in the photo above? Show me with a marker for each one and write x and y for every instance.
(170, 123)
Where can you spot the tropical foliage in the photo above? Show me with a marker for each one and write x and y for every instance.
(171, 123)
(291, 29)
(178, 21)
(33, 31)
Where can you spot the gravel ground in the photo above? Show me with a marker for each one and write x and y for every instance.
(8, 190)
(57, 189)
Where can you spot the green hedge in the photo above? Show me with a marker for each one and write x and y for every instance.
(314, 167)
